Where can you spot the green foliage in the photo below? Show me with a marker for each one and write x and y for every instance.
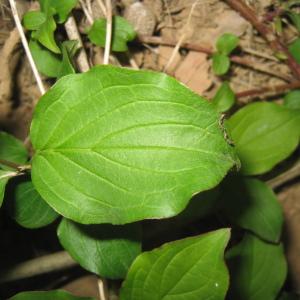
(292, 100)
(109, 152)
(61, 8)
(295, 18)
(106, 250)
(192, 268)
(43, 23)
(122, 32)
(252, 205)
(12, 149)
(28, 209)
(45, 34)
(34, 19)
(224, 98)
(51, 64)
(264, 134)
(294, 49)
(220, 63)
(49, 295)
(4, 177)
(257, 270)
(227, 43)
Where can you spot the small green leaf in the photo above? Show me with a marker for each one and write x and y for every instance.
(192, 268)
(227, 43)
(257, 270)
(4, 177)
(224, 98)
(32, 20)
(47, 62)
(62, 8)
(51, 64)
(220, 63)
(45, 34)
(12, 149)
(123, 32)
(292, 100)
(264, 134)
(295, 18)
(294, 49)
(252, 205)
(69, 48)
(119, 145)
(28, 209)
(49, 295)
(105, 250)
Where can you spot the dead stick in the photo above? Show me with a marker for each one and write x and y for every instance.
(277, 89)
(73, 34)
(285, 177)
(155, 40)
(37, 266)
(266, 32)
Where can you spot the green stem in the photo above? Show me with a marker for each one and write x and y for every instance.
(19, 168)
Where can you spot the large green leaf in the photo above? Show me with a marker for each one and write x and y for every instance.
(106, 250)
(123, 32)
(4, 177)
(115, 145)
(257, 270)
(264, 135)
(49, 295)
(187, 269)
(252, 205)
(28, 209)
(12, 149)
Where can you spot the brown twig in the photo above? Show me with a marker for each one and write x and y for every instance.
(37, 266)
(266, 32)
(155, 40)
(277, 89)
(285, 177)
(73, 34)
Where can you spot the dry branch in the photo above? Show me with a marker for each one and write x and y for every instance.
(37, 266)
(155, 40)
(73, 34)
(266, 32)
